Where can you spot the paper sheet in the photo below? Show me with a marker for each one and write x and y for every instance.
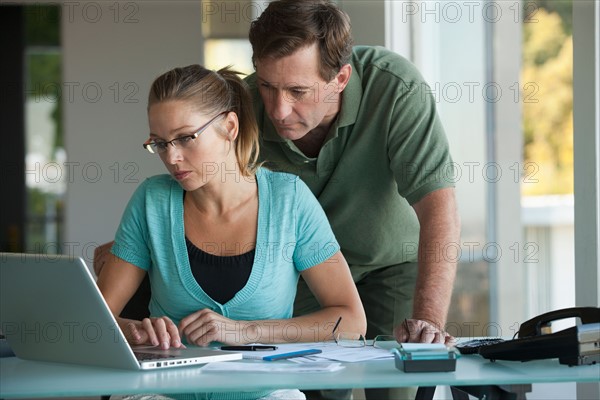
(424, 347)
(330, 352)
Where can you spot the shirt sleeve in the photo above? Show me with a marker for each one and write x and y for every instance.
(131, 239)
(315, 241)
(418, 148)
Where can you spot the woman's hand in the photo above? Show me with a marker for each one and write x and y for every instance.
(205, 326)
(159, 331)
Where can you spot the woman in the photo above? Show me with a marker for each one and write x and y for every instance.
(222, 240)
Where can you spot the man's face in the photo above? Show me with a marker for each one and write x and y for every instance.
(296, 98)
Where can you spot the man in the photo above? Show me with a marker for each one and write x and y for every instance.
(359, 126)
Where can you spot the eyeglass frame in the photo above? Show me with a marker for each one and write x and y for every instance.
(148, 143)
(361, 341)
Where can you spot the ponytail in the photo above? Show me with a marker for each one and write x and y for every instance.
(246, 147)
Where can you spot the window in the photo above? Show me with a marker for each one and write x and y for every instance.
(460, 84)
(219, 53)
(225, 27)
(547, 190)
(43, 130)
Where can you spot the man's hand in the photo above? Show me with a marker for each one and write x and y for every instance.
(418, 331)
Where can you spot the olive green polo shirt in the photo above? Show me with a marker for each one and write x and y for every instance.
(386, 150)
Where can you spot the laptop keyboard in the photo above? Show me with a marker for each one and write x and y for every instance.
(151, 356)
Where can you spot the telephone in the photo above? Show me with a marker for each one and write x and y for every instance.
(577, 345)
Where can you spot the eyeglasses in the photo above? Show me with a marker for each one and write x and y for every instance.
(349, 339)
(182, 142)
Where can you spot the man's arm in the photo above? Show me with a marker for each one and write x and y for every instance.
(440, 226)
(102, 255)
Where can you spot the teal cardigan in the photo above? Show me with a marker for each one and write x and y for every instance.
(293, 235)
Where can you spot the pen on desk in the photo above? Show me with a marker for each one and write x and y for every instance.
(293, 354)
(249, 348)
(336, 326)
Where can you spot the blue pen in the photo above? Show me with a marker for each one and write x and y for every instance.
(300, 353)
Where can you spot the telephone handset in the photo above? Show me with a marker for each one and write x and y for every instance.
(540, 324)
(573, 346)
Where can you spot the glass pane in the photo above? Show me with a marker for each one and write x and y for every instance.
(450, 51)
(219, 53)
(458, 90)
(45, 155)
(547, 191)
(547, 76)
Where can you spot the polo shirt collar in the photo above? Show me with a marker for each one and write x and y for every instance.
(351, 99)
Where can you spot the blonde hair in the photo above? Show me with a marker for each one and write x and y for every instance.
(213, 92)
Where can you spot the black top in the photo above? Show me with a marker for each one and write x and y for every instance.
(221, 277)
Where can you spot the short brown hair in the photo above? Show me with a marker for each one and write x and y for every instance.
(288, 25)
(212, 92)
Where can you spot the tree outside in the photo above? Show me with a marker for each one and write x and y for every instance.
(547, 79)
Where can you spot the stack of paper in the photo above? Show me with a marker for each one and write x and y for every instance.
(352, 354)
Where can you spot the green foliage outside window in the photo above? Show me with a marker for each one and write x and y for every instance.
(548, 116)
(43, 81)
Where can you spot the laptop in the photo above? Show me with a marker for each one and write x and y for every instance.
(52, 310)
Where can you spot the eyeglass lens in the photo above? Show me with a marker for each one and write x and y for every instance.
(181, 142)
(350, 339)
(385, 342)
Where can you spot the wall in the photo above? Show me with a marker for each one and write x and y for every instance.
(362, 15)
(112, 52)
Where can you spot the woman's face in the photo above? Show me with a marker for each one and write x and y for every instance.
(192, 162)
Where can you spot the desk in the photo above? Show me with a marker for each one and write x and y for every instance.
(19, 378)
